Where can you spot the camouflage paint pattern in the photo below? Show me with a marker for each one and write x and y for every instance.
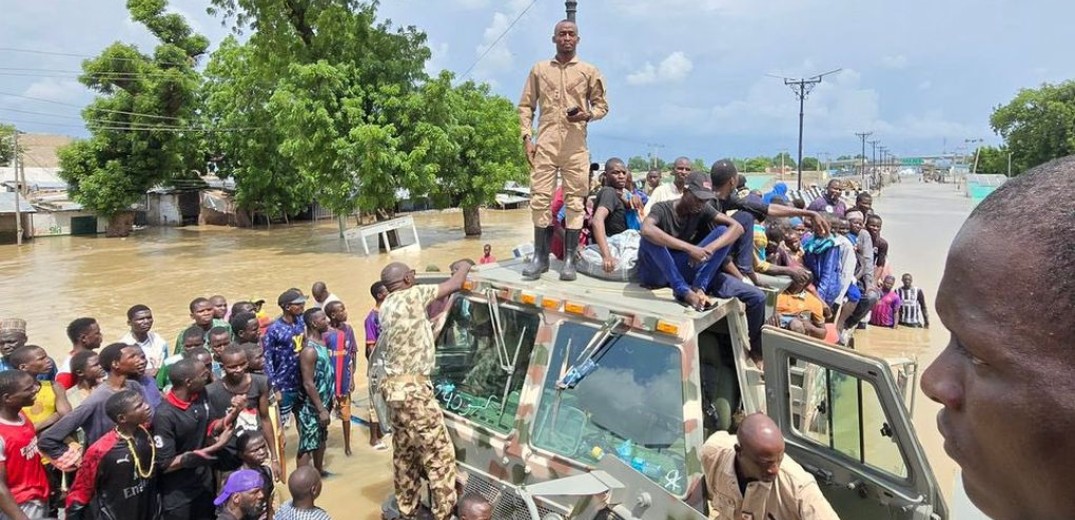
(512, 460)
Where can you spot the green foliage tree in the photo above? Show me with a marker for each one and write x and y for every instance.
(788, 160)
(699, 165)
(140, 125)
(336, 96)
(992, 159)
(811, 164)
(1038, 125)
(845, 158)
(472, 145)
(7, 145)
(638, 163)
(756, 164)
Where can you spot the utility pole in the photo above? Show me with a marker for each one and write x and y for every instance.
(802, 88)
(18, 189)
(862, 163)
(571, 7)
(1009, 164)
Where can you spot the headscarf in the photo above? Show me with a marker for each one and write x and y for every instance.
(779, 190)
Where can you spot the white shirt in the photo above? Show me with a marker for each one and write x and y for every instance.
(662, 193)
(314, 304)
(154, 347)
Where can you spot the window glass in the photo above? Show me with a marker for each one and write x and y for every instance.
(473, 377)
(843, 413)
(630, 406)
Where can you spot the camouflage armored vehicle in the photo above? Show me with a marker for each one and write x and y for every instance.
(591, 399)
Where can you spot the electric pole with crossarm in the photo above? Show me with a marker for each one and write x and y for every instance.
(802, 87)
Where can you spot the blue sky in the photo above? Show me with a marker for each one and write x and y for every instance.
(685, 77)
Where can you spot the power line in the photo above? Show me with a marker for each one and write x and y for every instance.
(138, 114)
(496, 41)
(117, 126)
(73, 55)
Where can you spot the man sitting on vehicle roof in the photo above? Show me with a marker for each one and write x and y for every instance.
(670, 256)
(615, 249)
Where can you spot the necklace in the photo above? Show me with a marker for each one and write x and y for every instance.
(134, 453)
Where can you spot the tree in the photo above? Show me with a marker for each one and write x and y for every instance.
(7, 146)
(699, 165)
(993, 160)
(811, 164)
(788, 160)
(757, 164)
(140, 126)
(1038, 125)
(846, 158)
(473, 141)
(335, 98)
(638, 163)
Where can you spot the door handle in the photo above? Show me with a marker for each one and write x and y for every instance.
(823, 475)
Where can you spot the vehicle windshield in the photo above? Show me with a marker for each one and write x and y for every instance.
(631, 407)
(471, 378)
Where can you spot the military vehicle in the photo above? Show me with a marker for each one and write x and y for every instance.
(592, 399)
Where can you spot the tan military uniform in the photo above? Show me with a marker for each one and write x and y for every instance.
(420, 442)
(793, 495)
(552, 88)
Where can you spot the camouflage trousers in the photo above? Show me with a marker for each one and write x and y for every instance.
(421, 448)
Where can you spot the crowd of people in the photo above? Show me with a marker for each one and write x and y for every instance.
(142, 429)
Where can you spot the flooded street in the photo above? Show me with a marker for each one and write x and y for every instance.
(54, 280)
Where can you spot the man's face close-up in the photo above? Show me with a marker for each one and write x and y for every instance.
(1005, 379)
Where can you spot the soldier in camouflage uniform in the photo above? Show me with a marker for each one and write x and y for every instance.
(421, 446)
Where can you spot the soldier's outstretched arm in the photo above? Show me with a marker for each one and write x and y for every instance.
(454, 283)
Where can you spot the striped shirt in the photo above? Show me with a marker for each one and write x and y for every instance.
(913, 309)
(289, 512)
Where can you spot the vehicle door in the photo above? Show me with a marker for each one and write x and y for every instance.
(844, 422)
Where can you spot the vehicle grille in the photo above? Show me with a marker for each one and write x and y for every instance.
(506, 503)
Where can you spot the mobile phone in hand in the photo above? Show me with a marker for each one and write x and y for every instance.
(573, 111)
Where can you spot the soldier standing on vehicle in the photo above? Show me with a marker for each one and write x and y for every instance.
(420, 442)
(750, 477)
(568, 93)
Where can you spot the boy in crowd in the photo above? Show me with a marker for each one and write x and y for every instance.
(51, 401)
(253, 415)
(304, 485)
(245, 327)
(220, 307)
(24, 488)
(203, 313)
(180, 430)
(85, 334)
(117, 478)
(373, 331)
(913, 312)
(340, 340)
(315, 363)
(124, 364)
(191, 338)
(242, 497)
(140, 320)
(88, 373)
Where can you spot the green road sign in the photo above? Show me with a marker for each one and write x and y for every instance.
(911, 161)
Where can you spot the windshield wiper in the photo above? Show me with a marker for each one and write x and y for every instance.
(498, 333)
(599, 344)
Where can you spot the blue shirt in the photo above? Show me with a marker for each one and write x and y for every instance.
(50, 376)
(283, 341)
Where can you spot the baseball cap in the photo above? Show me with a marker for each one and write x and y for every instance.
(290, 296)
(700, 186)
(239, 482)
(723, 165)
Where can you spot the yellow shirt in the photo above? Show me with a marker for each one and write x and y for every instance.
(44, 404)
(552, 88)
(794, 495)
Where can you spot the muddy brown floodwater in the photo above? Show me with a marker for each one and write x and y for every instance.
(51, 281)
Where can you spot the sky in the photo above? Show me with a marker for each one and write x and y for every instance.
(684, 77)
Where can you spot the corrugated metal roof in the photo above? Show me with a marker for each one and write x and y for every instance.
(7, 203)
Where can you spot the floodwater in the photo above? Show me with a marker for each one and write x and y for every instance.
(51, 281)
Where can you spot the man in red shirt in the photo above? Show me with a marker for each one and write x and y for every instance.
(24, 488)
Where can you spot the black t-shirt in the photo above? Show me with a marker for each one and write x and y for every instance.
(118, 490)
(220, 402)
(177, 429)
(616, 222)
(760, 210)
(682, 227)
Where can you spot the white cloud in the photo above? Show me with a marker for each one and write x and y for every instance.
(897, 62)
(498, 58)
(673, 69)
(438, 58)
(52, 89)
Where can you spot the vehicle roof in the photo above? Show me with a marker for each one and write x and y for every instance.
(618, 296)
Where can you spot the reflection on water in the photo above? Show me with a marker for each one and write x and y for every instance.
(54, 280)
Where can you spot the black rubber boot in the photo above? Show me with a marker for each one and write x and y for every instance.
(540, 262)
(571, 246)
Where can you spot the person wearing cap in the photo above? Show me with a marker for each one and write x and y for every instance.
(421, 446)
(12, 335)
(283, 340)
(670, 256)
(748, 212)
(570, 94)
(242, 497)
